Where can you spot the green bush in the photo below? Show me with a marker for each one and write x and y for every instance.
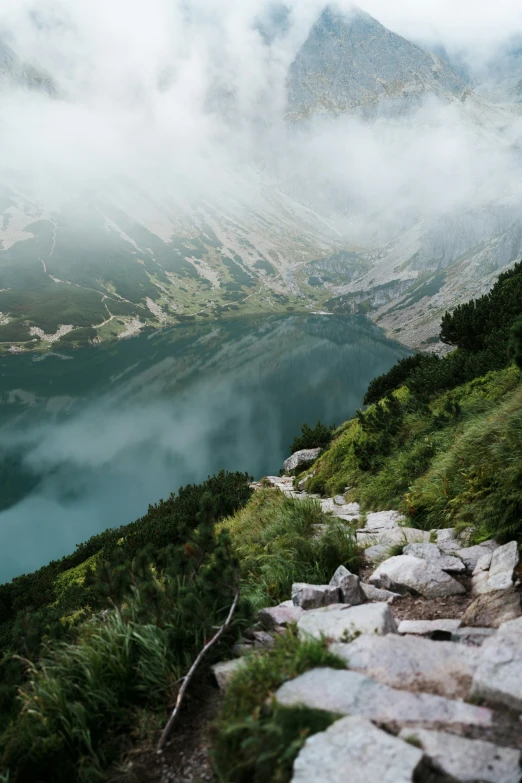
(396, 377)
(471, 325)
(515, 347)
(317, 438)
(484, 332)
(82, 696)
(167, 522)
(255, 740)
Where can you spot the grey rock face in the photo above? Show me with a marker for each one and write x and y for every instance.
(339, 574)
(468, 760)
(472, 554)
(405, 573)
(490, 610)
(351, 63)
(351, 590)
(339, 624)
(343, 510)
(496, 571)
(432, 554)
(300, 458)
(351, 693)
(284, 614)
(428, 627)
(393, 536)
(378, 521)
(376, 594)
(472, 636)
(447, 540)
(376, 553)
(314, 596)
(355, 750)
(225, 671)
(498, 676)
(411, 663)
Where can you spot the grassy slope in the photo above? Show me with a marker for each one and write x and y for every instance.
(456, 461)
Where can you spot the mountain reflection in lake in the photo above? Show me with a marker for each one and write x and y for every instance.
(89, 440)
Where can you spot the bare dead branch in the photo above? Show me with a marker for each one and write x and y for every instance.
(206, 648)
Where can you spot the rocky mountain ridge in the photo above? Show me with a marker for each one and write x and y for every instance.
(105, 266)
(351, 63)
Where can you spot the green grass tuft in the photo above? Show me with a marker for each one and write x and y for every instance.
(257, 740)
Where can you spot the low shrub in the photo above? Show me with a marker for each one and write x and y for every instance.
(318, 437)
(257, 740)
(82, 696)
(275, 539)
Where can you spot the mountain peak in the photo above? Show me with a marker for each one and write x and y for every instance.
(14, 71)
(352, 63)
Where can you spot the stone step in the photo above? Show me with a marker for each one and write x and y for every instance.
(413, 663)
(351, 693)
(355, 750)
(405, 573)
(467, 760)
(342, 624)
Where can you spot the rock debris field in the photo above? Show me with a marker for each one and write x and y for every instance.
(425, 697)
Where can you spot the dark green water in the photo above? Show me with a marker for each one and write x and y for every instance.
(90, 439)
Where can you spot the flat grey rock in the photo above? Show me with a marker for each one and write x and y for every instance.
(483, 563)
(498, 677)
(427, 627)
(405, 573)
(393, 536)
(314, 596)
(490, 610)
(225, 671)
(471, 555)
(500, 574)
(373, 593)
(331, 506)
(447, 541)
(342, 624)
(412, 663)
(300, 458)
(383, 520)
(472, 636)
(376, 553)
(468, 760)
(355, 750)
(351, 693)
(432, 554)
(284, 614)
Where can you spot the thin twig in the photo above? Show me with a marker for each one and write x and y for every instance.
(206, 648)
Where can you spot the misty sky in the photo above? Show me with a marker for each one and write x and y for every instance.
(134, 80)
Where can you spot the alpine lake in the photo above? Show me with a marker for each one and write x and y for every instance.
(90, 438)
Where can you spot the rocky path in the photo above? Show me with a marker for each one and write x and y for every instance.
(432, 639)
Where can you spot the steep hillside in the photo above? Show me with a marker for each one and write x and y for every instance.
(99, 268)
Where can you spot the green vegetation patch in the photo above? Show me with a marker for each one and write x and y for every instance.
(52, 306)
(276, 541)
(257, 740)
